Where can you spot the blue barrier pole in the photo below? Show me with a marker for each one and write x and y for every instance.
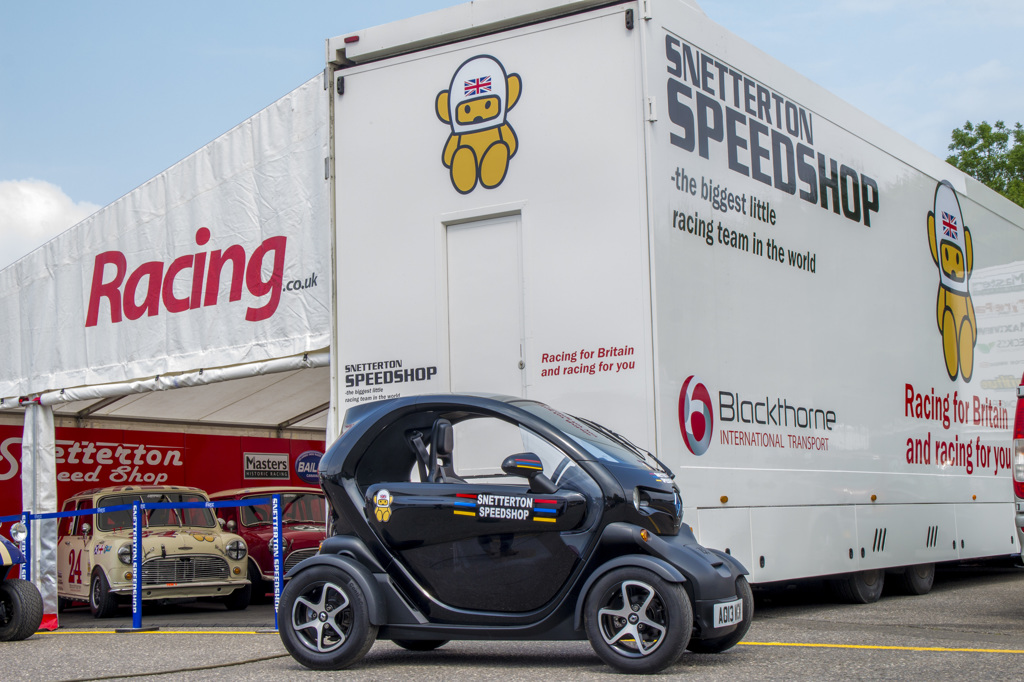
(278, 563)
(137, 507)
(25, 572)
(136, 566)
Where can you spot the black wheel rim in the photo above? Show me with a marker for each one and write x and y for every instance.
(633, 620)
(322, 617)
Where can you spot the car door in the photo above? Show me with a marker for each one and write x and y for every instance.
(482, 539)
(73, 555)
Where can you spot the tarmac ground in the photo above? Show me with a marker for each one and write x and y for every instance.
(969, 626)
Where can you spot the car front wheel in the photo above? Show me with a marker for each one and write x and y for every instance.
(101, 602)
(637, 622)
(239, 599)
(325, 621)
(21, 609)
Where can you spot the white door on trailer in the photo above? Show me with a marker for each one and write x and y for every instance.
(485, 307)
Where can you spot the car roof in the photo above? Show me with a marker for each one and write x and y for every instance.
(268, 490)
(117, 489)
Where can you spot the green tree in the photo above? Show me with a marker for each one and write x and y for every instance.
(993, 155)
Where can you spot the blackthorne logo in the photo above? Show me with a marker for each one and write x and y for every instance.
(696, 417)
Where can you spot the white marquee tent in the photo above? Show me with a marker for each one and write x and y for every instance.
(199, 301)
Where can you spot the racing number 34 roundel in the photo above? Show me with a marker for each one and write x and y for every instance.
(696, 420)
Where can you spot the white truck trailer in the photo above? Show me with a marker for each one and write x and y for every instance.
(623, 210)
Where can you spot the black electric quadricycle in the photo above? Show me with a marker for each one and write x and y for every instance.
(21, 606)
(489, 517)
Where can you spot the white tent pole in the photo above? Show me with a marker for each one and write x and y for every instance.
(39, 495)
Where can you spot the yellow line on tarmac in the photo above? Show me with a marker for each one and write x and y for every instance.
(887, 648)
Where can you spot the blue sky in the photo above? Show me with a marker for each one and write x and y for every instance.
(96, 98)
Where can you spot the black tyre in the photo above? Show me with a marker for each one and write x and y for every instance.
(260, 587)
(324, 619)
(239, 599)
(917, 579)
(637, 622)
(863, 587)
(21, 609)
(716, 645)
(101, 602)
(420, 644)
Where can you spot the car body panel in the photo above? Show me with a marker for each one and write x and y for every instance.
(303, 524)
(184, 552)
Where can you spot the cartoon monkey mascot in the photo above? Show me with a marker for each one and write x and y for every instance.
(382, 503)
(953, 253)
(475, 105)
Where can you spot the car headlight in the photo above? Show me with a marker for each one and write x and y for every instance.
(124, 553)
(236, 550)
(19, 532)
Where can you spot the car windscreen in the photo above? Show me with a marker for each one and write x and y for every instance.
(599, 441)
(154, 518)
(296, 508)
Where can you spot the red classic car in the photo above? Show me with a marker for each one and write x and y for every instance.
(303, 518)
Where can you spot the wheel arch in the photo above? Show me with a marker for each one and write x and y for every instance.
(661, 568)
(376, 602)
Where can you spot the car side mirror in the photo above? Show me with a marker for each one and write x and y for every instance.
(230, 526)
(529, 466)
(86, 528)
(220, 522)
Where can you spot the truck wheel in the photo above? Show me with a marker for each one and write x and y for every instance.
(716, 645)
(863, 587)
(239, 599)
(101, 602)
(918, 579)
(637, 622)
(21, 609)
(325, 621)
(420, 644)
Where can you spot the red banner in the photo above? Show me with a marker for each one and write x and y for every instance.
(97, 458)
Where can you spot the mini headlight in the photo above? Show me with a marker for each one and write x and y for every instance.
(124, 553)
(236, 550)
(19, 532)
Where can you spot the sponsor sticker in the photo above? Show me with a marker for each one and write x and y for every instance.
(265, 465)
(307, 466)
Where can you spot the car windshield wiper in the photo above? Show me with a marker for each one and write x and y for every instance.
(630, 445)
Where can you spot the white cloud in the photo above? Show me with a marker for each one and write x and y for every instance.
(31, 213)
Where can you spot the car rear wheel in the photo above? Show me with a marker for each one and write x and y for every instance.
(715, 645)
(101, 602)
(637, 622)
(21, 609)
(325, 621)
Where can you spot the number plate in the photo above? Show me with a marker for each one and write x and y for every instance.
(727, 614)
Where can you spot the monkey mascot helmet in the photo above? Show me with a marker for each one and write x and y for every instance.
(951, 239)
(478, 95)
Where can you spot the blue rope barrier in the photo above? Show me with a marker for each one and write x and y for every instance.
(139, 506)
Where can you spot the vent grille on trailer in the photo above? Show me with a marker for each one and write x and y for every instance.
(933, 537)
(879, 544)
